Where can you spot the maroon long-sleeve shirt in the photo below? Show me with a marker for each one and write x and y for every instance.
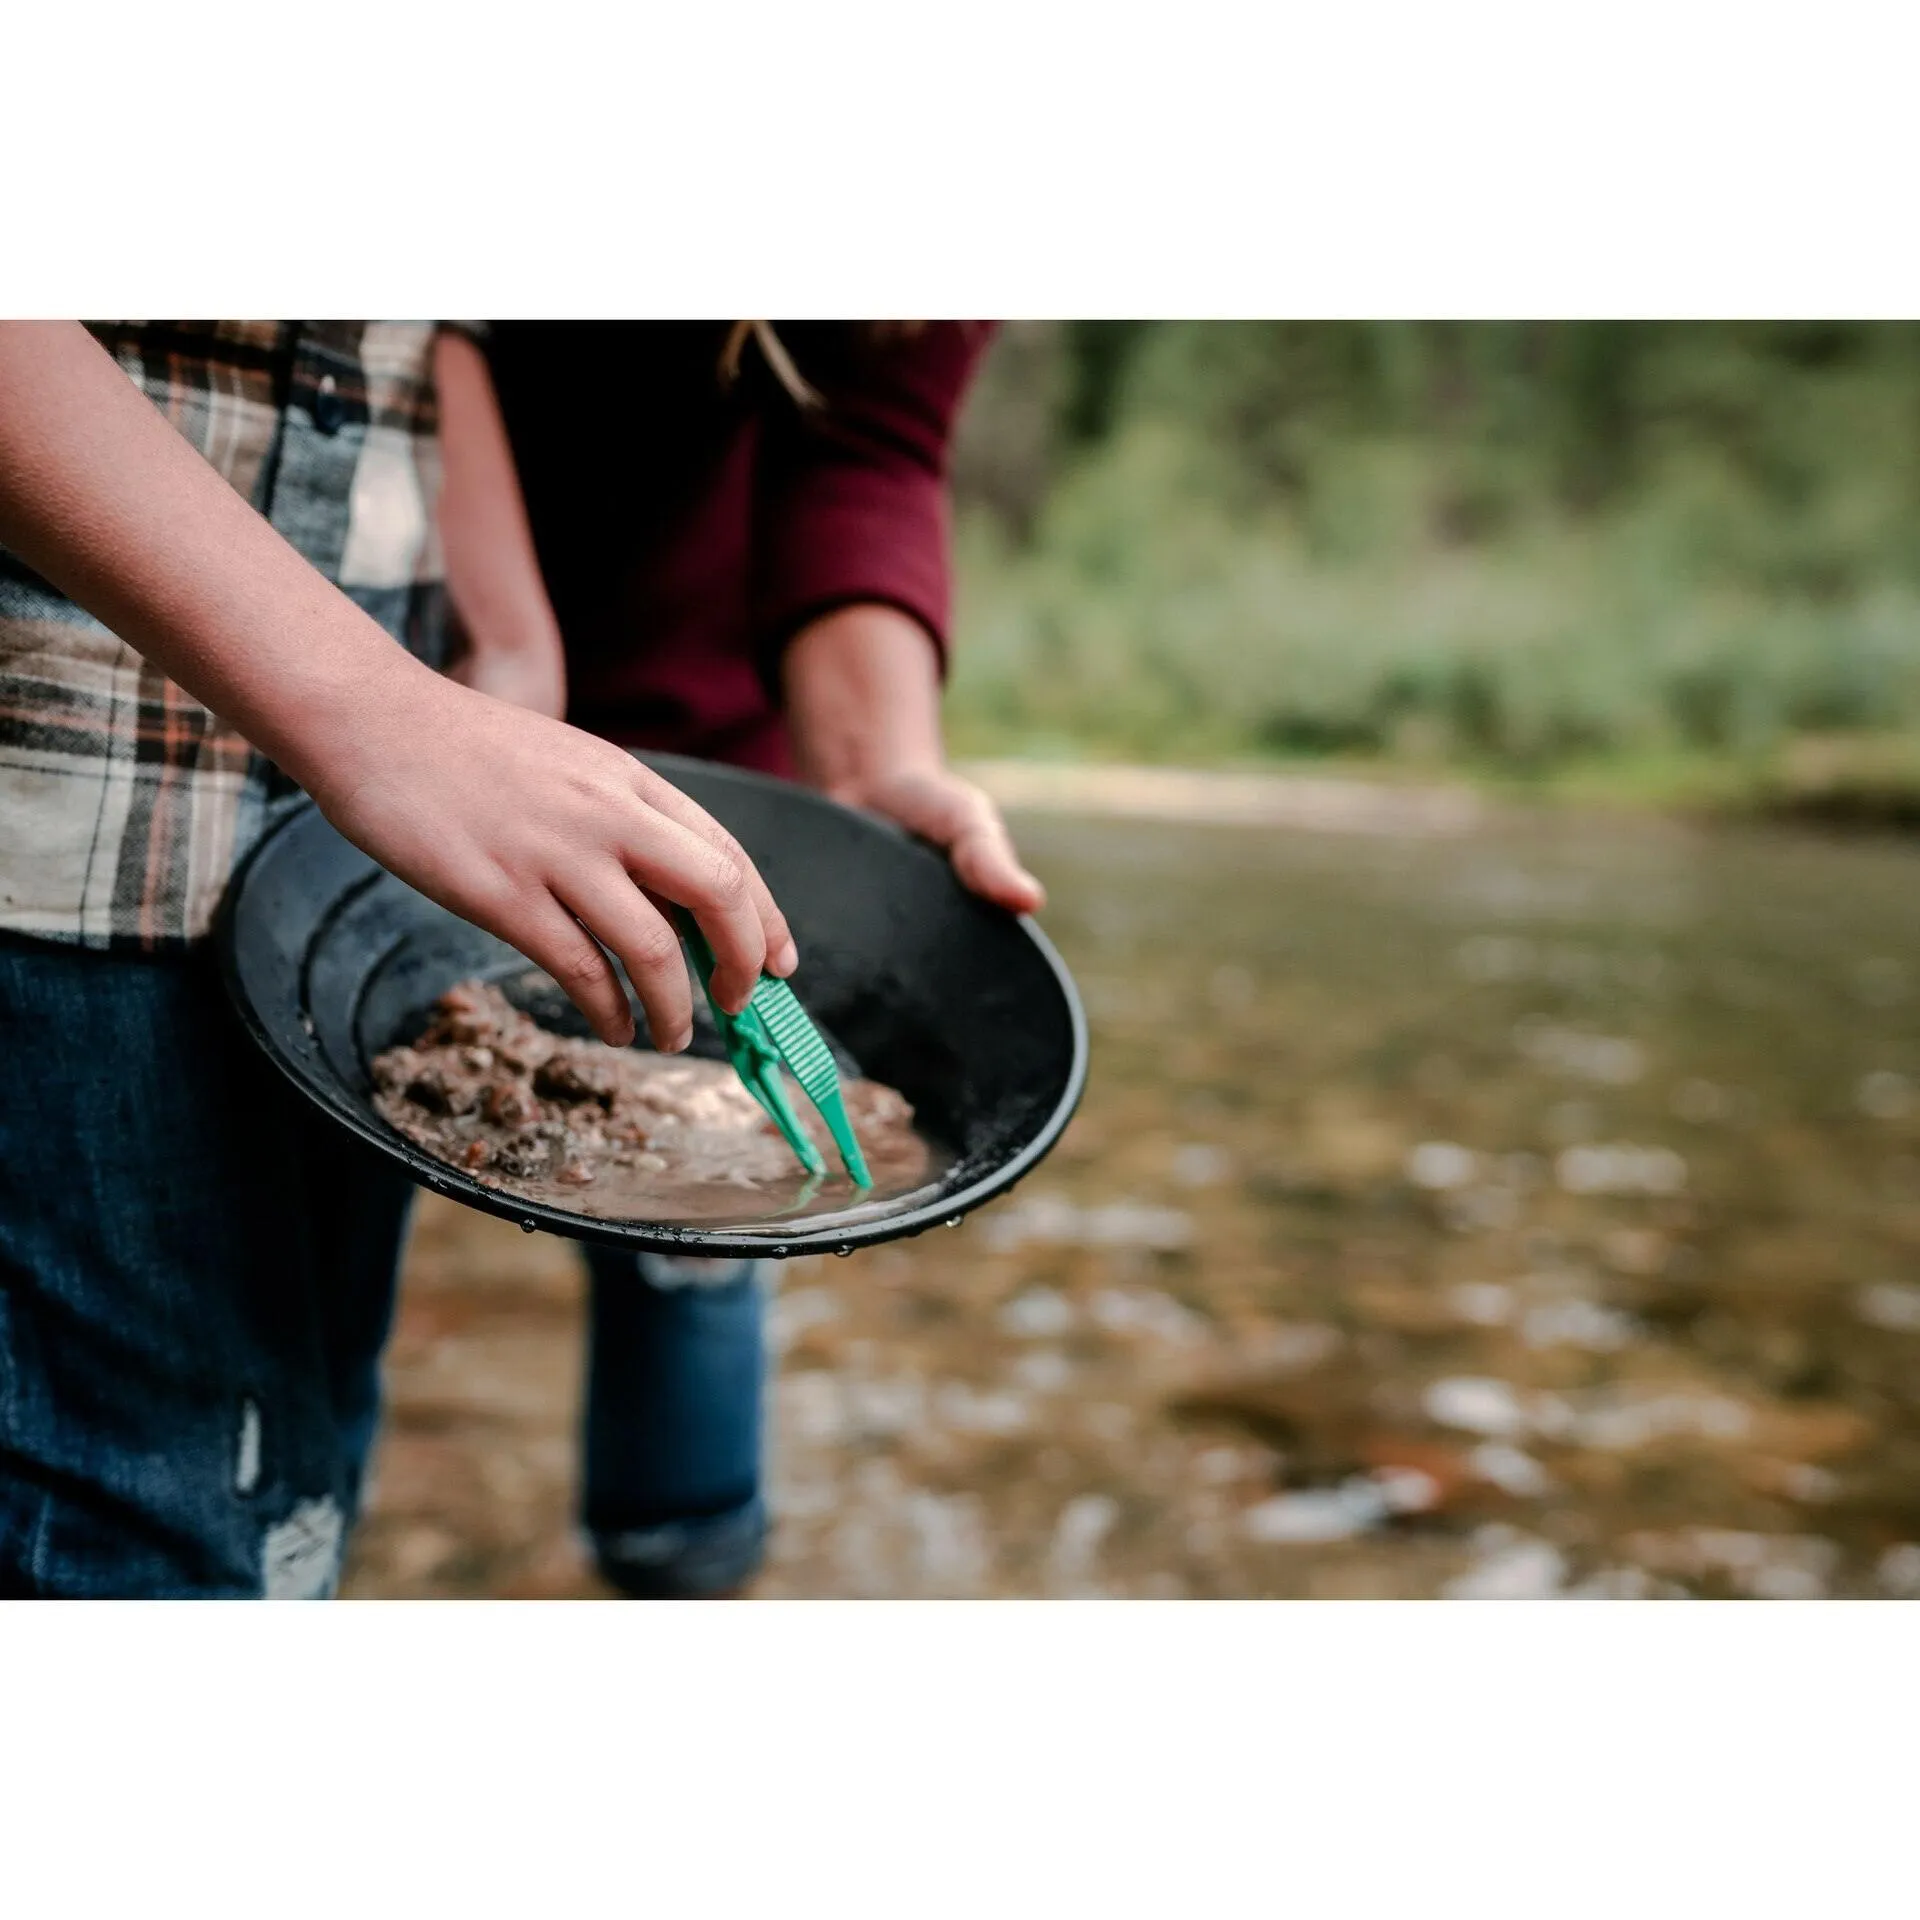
(688, 529)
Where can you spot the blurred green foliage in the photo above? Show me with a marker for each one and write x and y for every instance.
(1524, 547)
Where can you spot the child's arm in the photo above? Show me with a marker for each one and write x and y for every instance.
(529, 828)
(513, 649)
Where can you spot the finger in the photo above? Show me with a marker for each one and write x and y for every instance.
(782, 954)
(959, 817)
(552, 938)
(986, 863)
(679, 865)
(611, 907)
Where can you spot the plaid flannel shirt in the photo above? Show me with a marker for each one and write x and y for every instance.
(124, 803)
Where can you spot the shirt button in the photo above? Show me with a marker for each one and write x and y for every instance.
(328, 409)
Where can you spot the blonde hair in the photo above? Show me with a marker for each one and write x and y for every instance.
(774, 352)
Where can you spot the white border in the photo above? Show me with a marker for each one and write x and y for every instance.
(932, 1759)
(1476, 158)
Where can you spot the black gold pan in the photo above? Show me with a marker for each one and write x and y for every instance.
(964, 1008)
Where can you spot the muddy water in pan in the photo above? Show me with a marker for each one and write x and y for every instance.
(627, 1134)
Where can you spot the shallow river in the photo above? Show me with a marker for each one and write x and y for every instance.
(1532, 1208)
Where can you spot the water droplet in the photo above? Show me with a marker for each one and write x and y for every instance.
(955, 1221)
(841, 1253)
(780, 1252)
(528, 1226)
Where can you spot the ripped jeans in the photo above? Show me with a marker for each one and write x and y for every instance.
(196, 1280)
(197, 1276)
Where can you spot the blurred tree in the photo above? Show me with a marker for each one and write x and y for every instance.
(1516, 541)
(1005, 456)
(1099, 352)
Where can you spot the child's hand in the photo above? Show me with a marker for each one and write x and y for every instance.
(545, 835)
(541, 834)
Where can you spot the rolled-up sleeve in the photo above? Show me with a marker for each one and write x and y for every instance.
(852, 499)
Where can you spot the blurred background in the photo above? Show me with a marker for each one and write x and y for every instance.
(1472, 765)
(1671, 561)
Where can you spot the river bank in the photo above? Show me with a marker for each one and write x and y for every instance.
(1862, 783)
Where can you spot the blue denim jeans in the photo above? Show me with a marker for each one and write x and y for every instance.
(197, 1276)
(196, 1280)
(671, 1473)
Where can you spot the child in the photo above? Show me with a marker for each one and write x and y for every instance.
(214, 534)
(744, 529)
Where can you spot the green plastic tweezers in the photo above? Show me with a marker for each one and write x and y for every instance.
(772, 1030)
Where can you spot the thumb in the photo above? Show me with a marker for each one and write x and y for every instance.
(955, 815)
